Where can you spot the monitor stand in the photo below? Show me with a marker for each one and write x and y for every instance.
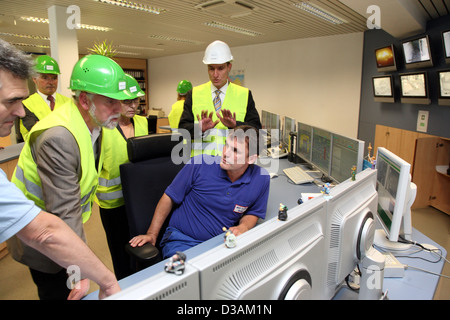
(381, 240)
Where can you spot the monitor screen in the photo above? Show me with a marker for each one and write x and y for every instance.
(383, 89)
(393, 186)
(321, 150)
(264, 118)
(385, 59)
(414, 88)
(446, 40)
(288, 127)
(413, 85)
(304, 140)
(444, 87)
(417, 53)
(444, 84)
(346, 153)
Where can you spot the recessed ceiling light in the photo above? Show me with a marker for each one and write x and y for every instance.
(27, 36)
(134, 5)
(319, 12)
(229, 27)
(138, 48)
(30, 45)
(167, 38)
(82, 26)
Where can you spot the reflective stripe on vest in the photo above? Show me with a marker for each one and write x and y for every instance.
(109, 192)
(236, 100)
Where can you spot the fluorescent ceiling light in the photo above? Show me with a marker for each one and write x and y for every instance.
(229, 27)
(319, 12)
(134, 5)
(30, 45)
(27, 36)
(82, 26)
(167, 38)
(138, 48)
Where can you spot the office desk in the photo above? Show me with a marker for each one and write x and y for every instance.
(415, 284)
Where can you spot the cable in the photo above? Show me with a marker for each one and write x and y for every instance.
(420, 269)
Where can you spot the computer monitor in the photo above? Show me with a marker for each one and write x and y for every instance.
(385, 59)
(304, 141)
(414, 88)
(417, 53)
(346, 153)
(396, 194)
(444, 87)
(383, 89)
(446, 42)
(264, 117)
(288, 127)
(154, 283)
(321, 150)
(351, 211)
(274, 260)
(274, 128)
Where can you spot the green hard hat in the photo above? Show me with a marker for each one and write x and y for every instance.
(133, 87)
(100, 75)
(46, 64)
(184, 86)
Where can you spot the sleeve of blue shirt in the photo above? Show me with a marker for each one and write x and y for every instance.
(259, 208)
(16, 211)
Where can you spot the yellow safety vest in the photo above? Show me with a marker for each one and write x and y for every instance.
(40, 108)
(26, 176)
(109, 192)
(175, 114)
(236, 100)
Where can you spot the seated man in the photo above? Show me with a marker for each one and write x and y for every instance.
(212, 192)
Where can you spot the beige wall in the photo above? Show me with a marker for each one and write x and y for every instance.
(316, 81)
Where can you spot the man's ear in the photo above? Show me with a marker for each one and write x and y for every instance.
(84, 100)
(252, 159)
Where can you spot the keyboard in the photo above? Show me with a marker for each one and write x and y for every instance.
(298, 175)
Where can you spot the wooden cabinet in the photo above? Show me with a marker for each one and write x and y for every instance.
(430, 172)
(429, 157)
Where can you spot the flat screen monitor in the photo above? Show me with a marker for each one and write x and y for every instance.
(417, 53)
(446, 42)
(385, 59)
(444, 87)
(396, 194)
(321, 150)
(414, 88)
(273, 128)
(351, 212)
(346, 153)
(276, 260)
(383, 89)
(288, 127)
(264, 119)
(304, 141)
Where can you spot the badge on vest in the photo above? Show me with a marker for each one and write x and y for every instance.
(240, 209)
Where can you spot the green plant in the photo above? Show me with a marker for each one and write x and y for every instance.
(104, 49)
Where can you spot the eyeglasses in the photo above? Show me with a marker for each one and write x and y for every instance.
(131, 101)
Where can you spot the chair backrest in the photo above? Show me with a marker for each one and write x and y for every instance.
(146, 176)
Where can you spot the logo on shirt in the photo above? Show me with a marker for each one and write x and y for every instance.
(240, 209)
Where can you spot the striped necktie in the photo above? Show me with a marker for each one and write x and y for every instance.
(52, 102)
(217, 102)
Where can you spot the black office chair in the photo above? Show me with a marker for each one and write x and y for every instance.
(144, 180)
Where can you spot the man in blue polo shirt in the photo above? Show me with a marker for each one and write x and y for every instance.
(211, 193)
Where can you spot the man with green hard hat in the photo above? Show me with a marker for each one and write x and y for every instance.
(183, 87)
(109, 196)
(62, 158)
(45, 99)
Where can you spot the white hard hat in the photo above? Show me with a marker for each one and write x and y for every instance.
(217, 52)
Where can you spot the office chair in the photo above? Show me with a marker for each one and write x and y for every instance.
(144, 180)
